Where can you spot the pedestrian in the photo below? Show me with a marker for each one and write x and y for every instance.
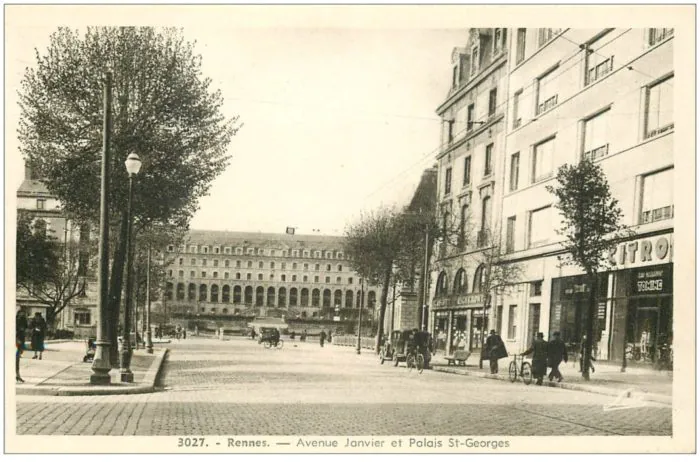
(178, 332)
(21, 326)
(556, 353)
(330, 336)
(184, 334)
(582, 357)
(539, 357)
(322, 338)
(496, 350)
(38, 328)
(302, 338)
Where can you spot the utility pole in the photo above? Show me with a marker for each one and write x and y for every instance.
(424, 298)
(359, 318)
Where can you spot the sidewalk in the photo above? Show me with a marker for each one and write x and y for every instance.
(645, 384)
(62, 372)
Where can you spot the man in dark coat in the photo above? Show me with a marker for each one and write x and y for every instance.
(556, 352)
(38, 327)
(322, 338)
(539, 357)
(496, 350)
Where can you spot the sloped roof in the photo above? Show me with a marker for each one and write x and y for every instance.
(33, 187)
(196, 236)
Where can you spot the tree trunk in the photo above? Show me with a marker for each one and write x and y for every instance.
(115, 290)
(592, 312)
(382, 309)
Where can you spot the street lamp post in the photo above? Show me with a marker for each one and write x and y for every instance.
(101, 365)
(149, 339)
(359, 318)
(133, 165)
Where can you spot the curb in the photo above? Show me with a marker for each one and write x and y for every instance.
(653, 397)
(149, 385)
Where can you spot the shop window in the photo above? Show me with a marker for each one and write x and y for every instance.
(659, 108)
(657, 196)
(595, 136)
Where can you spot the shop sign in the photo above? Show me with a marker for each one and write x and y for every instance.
(557, 314)
(602, 311)
(475, 300)
(642, 252)
(650, 281)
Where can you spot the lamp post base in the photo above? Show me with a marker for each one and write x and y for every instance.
(101, 365)
(149, 342)
(127, 376)
(125, 364)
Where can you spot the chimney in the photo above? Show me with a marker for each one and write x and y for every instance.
(27, 171)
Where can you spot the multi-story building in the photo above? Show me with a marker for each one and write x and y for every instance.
(226, 273)
(470, 170)
(605, 95)
(35, 199)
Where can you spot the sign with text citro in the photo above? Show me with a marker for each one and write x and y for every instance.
(641, 252)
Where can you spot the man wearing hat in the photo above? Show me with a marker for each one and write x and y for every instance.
(539, 357)
(556, 352)
(495, 349)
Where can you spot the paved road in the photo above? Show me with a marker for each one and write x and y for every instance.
(239, 388)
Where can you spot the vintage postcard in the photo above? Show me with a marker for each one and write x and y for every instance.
(349, 229)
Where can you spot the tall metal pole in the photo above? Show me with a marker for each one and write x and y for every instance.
(426, 262)
(101, 364)
(149, 339)
(125, 356)
(359, 318)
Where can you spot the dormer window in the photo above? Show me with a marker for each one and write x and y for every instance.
(474, 60)
(455, 76)
(497, 40)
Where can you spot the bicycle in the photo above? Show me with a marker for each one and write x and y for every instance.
(415, 359)
(270, 343)
(525, 370)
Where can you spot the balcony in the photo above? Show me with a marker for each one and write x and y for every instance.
(601, 70)
(660, 130)
(658, 214)
(659, 35)
(548, 104)
(596, 153)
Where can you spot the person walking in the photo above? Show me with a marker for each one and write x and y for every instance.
(21, 326)
(583, 355)
(330, 336)
(556, 353)
(496, 350)
(539, 357)
(184, 333)
(322, 338)
(38, 328)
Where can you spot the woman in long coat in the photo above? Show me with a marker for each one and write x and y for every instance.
(38, 327)
(539, 357)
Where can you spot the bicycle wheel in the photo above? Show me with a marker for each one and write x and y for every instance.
(527, 373)
(410, 362)
(280, 344)
(513, 371)
(420, 363)
(267, 344)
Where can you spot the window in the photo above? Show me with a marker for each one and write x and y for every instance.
(520, 47)
(657, 196)
(316, 279)
(250, 264)
(658, 35)
(182, 260)
(170, 273)
(493, 98)
(249, 276)
(475, 60)
(512, 321)
(470, 117)
(272, 265)
(499, 319)
(82, 319)
(238, 263)
(191, 274)
(284, 265)
(328, 267)
(482, 238)
(204, 262)
(545, 35)
(294, 278)
(306, 278)
(306, 266)
(448, 180)
(261, 252)
(193, 262)
(659, 107)
(542, 160)
(205, 249)
(239, 251)
(536, 289)
(250, 251)
(216, 274)
(181, 274)
(488, 160)
(450, 131)
(317, 267)
(514, 170)
(216, 262)
(597, 66)
(171, 248)
(226, 275)
(349, 280)
(227, 263)
(510, 235)
(204, 274)
(294, 266)
(455, 76)
(546, 91)
(340, 267)
(193, 249)
(540, 226)
(467, 170)
(595, 136)
(238, 276)
(517, 118)
(272, 277)
(328, 279)
(284, 278)
(216, 250)
(338, 280)
(463, 227)
(260, 277)
(497, 40)
(261, 265)
(306, 253)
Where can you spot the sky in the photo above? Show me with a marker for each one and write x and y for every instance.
(336, 120)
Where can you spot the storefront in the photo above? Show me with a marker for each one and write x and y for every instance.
(459, 323)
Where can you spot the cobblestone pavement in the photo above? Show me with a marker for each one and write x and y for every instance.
(237, 387)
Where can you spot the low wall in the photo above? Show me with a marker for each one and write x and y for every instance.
(351, 341)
